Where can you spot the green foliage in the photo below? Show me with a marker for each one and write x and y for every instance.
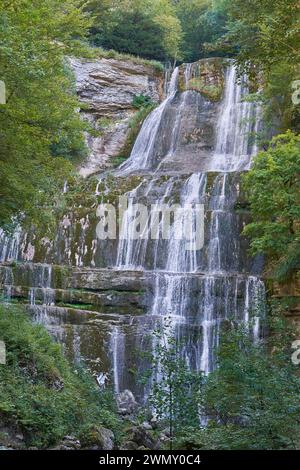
(39, 126)
(201, 23)
(264, 32)
(140, 101)
(252, 398)
(175, 389)
(101, 53)
(40, 393)
(145, 28)
(135, 33)
(162, 29)
(250, 401)
(264, 38)
(273, 188)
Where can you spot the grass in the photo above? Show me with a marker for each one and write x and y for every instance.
(135, 125)
(111, 54)
(89, 51)
(41, 394)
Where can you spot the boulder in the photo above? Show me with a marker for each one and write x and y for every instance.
(98, 438)
(142, 438)
(126, 403)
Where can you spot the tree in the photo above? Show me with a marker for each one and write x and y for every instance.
(175, 395)
(134, 33)
(252, 398)
(253, 395)
(41, 394)
(273, 190)
(264, 32)
(264, 38)
(146, 28)
(201, 23)
(40, 129)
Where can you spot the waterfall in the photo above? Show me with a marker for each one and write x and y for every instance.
(117, 346)
(176, 128)
(238, 120)
(41, 289)
(8, 283)
(189, 154)
(140, 158)
(179, 258)
(10, 245)
(196, 290)
(132, 249)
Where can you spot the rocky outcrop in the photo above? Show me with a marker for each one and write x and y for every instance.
(290, 293)
(107, 88)
(126, 402)
(205, 76)
(94, 288)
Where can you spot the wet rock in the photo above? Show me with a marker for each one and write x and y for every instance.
(126, 403)
(154, 422)
(98, 438)
(143, 438)
(129, 445)
(207, 78)
(70, 443)
(147, 426)
(166, 432)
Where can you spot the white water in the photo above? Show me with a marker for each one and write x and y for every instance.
(237, 119)
(197, 289)
(140, 158)
(9, 245)
(42, 287)
(220, 294)
(117, 346)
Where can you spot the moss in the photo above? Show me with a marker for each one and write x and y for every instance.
(40, 393)
(112, 188)
(207, 78)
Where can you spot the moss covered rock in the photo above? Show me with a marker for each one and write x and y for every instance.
(205, 76)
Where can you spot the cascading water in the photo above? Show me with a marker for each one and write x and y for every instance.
(9, 245)
(189, 152)
(235, 145)
(140, 158)
(198, 289)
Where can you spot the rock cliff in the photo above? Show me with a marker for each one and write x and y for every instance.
(106, 88)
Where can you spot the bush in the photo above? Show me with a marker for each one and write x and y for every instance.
(40, 393)
(251, 400)
(141, 101)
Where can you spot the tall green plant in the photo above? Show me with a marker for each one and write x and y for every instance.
(175, 395)
(273, 190)
(40, 129)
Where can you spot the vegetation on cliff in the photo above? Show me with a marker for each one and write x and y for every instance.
(41, 395)
(40, 128)
(273, 189)
(250, 401)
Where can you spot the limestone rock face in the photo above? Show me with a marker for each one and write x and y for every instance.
(107, 88)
